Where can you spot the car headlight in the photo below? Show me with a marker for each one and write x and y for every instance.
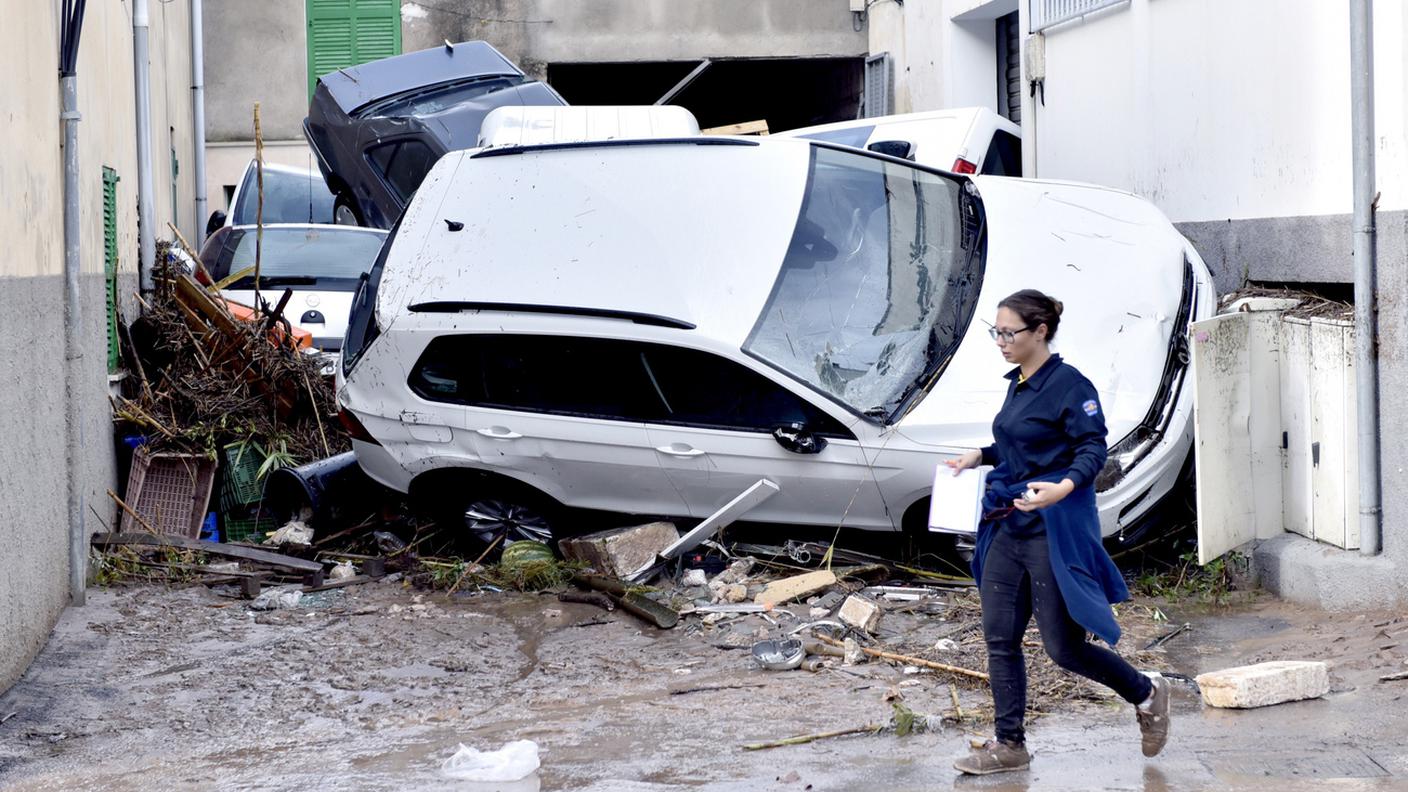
(1125, 455)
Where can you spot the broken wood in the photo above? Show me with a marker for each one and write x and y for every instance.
(746, 128)
(907, 660)
(588, 598)
(632, 601)
(1401, 675)
(1168, 636)
(214, 548)
(710, 688)
(355, 580)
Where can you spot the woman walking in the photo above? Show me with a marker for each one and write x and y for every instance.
(1039, 548)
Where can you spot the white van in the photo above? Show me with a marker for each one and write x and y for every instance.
(962, 140)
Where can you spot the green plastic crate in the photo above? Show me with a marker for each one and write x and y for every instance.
(242, 486)
(247, 525)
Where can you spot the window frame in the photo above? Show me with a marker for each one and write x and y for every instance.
(838, 430)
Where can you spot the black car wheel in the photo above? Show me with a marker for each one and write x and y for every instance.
(343, 213)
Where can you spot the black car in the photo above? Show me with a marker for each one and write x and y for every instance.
(377, 128)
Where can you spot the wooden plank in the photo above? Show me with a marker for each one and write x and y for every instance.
(788, 589)
(746, 128)
(230, 551)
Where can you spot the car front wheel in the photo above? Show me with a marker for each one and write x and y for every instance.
(343, 213)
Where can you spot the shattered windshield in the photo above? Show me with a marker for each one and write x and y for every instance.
(877, 284)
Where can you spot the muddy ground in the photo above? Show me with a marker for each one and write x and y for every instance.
(373, 687)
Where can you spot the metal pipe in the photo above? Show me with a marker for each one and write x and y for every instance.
(198, 109)
(73, 346)
(1366, 363)
(146, 222)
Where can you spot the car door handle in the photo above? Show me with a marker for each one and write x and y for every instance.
(680, 450)
(499, 433)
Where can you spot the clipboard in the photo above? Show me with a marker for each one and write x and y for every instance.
(956, 503)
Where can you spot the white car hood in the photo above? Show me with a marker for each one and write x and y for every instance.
(335, 306)
(1116, 263)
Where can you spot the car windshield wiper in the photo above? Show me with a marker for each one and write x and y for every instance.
(285, 280)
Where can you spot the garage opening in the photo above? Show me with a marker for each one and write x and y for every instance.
(786, 92)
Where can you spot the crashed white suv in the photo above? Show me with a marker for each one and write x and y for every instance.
(651, 327)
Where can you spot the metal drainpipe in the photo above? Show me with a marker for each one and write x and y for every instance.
(198, 110)
(141, 58)
(73, 346)
(1366, 363)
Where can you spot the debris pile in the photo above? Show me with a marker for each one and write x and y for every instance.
(210, 373)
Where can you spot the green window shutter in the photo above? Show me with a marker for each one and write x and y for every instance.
(344, 33)
(110, 180)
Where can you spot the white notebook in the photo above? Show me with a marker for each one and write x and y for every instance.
(956, 505)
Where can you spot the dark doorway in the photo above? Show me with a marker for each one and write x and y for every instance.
(786, 92)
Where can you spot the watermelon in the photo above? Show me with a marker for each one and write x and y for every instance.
(526, 552)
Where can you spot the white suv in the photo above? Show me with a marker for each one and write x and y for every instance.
(651, 327)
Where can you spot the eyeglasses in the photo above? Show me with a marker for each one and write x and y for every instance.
(1007, 336)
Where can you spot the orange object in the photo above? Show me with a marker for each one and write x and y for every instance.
(302, 339)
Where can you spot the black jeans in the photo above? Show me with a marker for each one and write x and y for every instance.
(1017, 581)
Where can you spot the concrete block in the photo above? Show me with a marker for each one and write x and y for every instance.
(1264, 684)
(788, 589)
(620, 551)
(860, 613)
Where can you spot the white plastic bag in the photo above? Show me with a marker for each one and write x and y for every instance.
(514, 761)
(278, 599)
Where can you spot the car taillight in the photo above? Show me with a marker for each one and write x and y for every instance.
(961, 165)
(354, 427)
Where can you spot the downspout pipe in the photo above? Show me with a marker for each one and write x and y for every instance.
(74, 413)
(198, 109)
(1366, 362)
(141, 57)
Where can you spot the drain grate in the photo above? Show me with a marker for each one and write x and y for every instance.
(1334, 763)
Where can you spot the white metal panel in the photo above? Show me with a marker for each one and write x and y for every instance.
(1264, 403)
(1333, 431)
(1351, 443)
(1222, 442)
(1298, 503)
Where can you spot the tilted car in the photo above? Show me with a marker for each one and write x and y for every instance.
(650, 327)
(377, 128)
(322, 264)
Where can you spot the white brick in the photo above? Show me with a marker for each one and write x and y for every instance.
(621, 551)
(860, 613)
(1264, 684)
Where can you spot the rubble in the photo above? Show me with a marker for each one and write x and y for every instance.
(1265, 684)
(621, 551)
(860, 613)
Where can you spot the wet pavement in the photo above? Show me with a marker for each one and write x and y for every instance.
(373, 687)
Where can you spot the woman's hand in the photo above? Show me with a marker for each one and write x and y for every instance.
(1046, 494)
(971, 459)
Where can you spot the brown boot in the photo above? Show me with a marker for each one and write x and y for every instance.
(1153, 725)
(994, 756)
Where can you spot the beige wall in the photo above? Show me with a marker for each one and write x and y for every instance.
(33, 458)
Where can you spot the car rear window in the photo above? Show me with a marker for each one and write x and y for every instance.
(1004, 157)
(288, 198)
(610, 379)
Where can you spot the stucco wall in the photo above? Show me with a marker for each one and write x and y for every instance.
(33, 462)
(255, 51)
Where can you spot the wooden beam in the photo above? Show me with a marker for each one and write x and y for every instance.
(746, 128)
(214, 548)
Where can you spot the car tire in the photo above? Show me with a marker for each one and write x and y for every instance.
(500, 515)
(948, 553)
(344, 212)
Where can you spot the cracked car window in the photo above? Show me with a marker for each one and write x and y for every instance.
(874, 287)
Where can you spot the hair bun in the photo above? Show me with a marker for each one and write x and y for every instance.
(1058, 306)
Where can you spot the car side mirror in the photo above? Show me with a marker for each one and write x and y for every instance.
(795, 437)
(894, 148)
(217, 219)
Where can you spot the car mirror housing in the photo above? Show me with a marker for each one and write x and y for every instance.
(795, 437)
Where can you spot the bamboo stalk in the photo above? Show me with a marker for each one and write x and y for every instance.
(957, 710)
(134, 514)
(259, 208)
(474, 564)
(313, 403)
(911, 660)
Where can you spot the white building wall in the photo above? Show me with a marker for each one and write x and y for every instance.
(1217, 109)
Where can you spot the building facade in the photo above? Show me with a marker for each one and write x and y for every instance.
(34, 468)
